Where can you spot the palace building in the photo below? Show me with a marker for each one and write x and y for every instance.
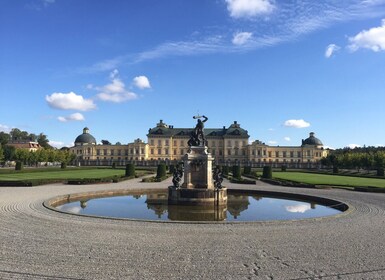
(228, 145)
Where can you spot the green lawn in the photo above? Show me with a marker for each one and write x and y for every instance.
(333, 180)
(63, 174)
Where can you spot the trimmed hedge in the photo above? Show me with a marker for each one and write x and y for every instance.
(236, 172)
(161, 171)
(130, 170)
(247, 170)
(267, 172)
(19, 165)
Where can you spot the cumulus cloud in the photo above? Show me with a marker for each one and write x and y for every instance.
(141, 82)
(300, 208)
(249, 8)
(72, 117)
(331, 49)
(5, 128)
(373, 39)
(241, 38)
(69, 101)
(56, 144)
(272, 142)
(287, 139)
(296, 123)
(115, 91)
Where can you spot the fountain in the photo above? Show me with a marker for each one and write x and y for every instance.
(197, 194)
(200, 187)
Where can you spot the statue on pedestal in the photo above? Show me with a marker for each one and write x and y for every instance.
(197, 135)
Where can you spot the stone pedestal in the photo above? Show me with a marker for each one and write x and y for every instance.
(198, 187)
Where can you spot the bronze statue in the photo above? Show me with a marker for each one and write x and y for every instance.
(197, 136)
(218, 178)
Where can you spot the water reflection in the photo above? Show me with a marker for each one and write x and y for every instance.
(240, 206)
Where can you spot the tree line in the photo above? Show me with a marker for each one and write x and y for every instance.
(367, 158)
(46, 154)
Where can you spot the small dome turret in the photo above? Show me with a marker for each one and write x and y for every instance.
(85, 139)
(312, 140)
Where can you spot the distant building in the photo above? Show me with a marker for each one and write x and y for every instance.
(228, 145)
(23, 144)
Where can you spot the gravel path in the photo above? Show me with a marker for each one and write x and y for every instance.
(37, 243)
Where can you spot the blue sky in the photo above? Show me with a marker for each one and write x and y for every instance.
(280, 68)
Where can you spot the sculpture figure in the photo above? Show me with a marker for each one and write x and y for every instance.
(197, 135)
(218, 178)
(177, 176)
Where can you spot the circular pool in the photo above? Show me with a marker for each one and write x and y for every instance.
(153, 205)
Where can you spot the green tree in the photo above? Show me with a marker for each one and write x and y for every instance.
(1, 153)
(43, 141)
(9, 152)
(4, 138)
(22, 155)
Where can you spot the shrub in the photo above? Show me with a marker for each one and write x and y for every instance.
(19, 165)
(247, 170)
(114, 165)
(335, 169)
(380, 172)
(267, 172)
(225, 170)
(63, 165)
(283, 168)
(237, 172)
(161, 171)
(130, 170)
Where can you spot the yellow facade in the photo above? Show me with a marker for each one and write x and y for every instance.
(227, 145)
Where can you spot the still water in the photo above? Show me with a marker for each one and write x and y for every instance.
(240, 207)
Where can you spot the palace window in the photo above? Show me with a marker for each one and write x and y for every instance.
(152, 142)
(298, 154)
(291, 154)
(229, 152)
(152, 151)
(174, 142)
(159, 142)
(276, 154)
(166, 143)
(284, 154)
(159, 151)
(269, 153)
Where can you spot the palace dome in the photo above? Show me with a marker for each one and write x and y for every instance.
(85, 139)
(312, 140)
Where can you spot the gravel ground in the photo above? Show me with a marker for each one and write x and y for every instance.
(37, 243)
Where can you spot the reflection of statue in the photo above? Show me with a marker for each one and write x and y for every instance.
(218, 178)
(177, 176)
(197, 136)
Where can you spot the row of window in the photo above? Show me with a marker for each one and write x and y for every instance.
(166, 143)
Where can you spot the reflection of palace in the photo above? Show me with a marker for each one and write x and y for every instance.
(235, 205)
(228, 145)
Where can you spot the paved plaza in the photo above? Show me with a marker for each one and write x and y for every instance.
(37, 243)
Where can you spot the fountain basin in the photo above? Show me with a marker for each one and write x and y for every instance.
(152, 205)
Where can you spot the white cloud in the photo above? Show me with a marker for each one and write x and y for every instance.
(271, 129)
(287, 139)
(241, 38)
(249, 8)
(115, 91)
(296, 123)
(373, 39)
(72, 117)
(331, 49)
(56, 144)
(300, 208)
(69, 101)
(352, 146)
(272, 142)
(141, 82)
(5, 128)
